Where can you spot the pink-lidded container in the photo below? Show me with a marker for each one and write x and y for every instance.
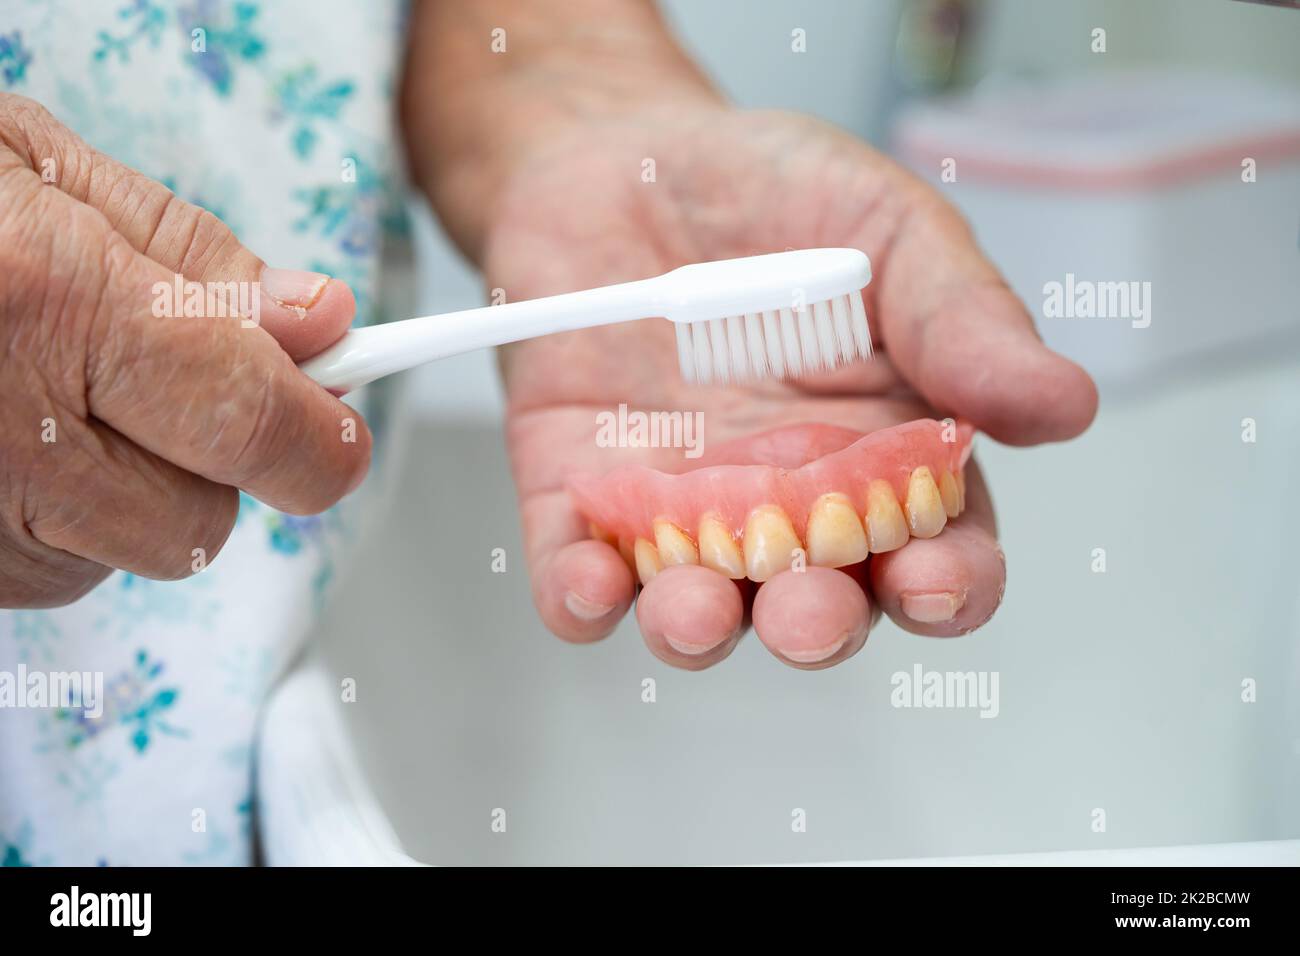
(1150, 221)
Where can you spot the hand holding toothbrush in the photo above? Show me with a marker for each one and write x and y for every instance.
(123, 436)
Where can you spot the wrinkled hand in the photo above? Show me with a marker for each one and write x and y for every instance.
(953, 340)
(124, 436)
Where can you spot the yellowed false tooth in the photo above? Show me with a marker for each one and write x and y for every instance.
(949, 495)
(718, 548)
(835, 533)
(648, 563)
(961, 489)
(675, 546)
(626, 550)
(770, 543)
(886, 526)
(925, 514)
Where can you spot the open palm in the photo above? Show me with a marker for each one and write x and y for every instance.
(626, 200)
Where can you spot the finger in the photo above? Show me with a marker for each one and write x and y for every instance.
(950, 584)
(102, 498)
(206, 394)
(582, 588)
(691, 617)
(34, 575)
(813, 618)
(304, 311)
(962, 338)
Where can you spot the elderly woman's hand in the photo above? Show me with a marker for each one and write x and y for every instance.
(127, 422)
(952, 339)
(539, 157)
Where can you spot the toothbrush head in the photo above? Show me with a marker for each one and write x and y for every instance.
(780, 316)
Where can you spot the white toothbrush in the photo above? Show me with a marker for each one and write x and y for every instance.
(778, 315)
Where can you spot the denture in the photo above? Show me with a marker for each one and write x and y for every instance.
(825, 495)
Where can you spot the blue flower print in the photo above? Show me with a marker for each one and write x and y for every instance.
(226, 43)
(14, 852)
(14, 57)
(130, 700)
(33, 632)
(303, 99)
(129, 601)
(145, 22)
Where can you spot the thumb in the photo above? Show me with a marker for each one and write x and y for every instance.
(304, 311)
(960, 336)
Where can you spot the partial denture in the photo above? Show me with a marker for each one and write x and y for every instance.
(809, 487)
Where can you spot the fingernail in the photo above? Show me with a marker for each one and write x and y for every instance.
(816, 654)
(583, 609)
(692, 649)
(932, 607)
(293, 288)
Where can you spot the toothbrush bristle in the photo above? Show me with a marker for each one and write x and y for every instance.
(785, 344)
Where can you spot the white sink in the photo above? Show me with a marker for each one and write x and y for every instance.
(1120, 691)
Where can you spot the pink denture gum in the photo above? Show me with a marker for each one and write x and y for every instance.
(829, 493)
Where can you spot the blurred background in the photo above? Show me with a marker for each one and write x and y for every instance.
(1121, 690)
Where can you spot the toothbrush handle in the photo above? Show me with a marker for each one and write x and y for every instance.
(363, 355)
